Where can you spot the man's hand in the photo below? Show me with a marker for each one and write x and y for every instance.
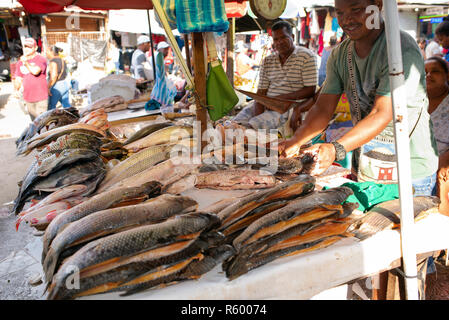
(296, 119)
(49, 92)
(323, 155)
(289, 148)
(140, 80)
(23, 59)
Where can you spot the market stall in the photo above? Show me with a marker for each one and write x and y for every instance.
(147, 210)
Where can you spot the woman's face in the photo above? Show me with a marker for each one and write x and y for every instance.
(436, 76)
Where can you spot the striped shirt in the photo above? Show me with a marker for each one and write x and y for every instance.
(299, 71)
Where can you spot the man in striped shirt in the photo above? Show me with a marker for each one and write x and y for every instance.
(291, 73)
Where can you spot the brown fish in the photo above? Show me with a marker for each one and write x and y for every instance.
(386, 215)
(104, 222)
(235, 179)
(109, 252)
(96, 203)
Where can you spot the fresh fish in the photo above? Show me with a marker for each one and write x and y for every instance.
(42, 212)
(386, 215)
(112, 145)
(272, 242)
(77, 173)
(109, 221)
(218, 206)
(136, 164)
(64, 193)
(150, 156)
(238, 267)
(132, 245)
(114, 154)
(61, 116)
(66, 157)
(41, 223)
(166, 172)
(111, 280)
(112, 163)
(317, 205)
(52, 135)
(182, 185)
(212, 258)
(163, 136)
(303, 184)
(147, 130)
(235, 179)
(96, 203)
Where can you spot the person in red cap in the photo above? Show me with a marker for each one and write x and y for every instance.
(31, 75)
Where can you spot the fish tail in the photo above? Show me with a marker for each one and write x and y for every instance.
(18, 221)
(49, 264)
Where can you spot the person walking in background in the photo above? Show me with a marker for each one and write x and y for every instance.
(31, 76)
(325, 56)
(164, 90)
(422, 43)
(58, 84)
(138, 59)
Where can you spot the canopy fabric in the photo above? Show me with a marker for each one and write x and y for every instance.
(114, 4)
(135, 21)
(40, 6)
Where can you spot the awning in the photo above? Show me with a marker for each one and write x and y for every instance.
(40, 6)
(135, 21)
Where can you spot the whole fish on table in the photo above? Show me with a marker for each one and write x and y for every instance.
(235, 179)
(117, 250)
(52, 135)
(104, 222)
(302, 185)
(147, 130)
(166, 172)
(60, 116)
(96, 203)
(316, 205)
(42, 212)
(111, 280)
(386, 215)
(135, 164)
(66, 157)
(77, 173)
(318, 237)
(166, 135)
(67, 192)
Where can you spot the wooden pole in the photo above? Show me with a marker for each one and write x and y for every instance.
(187, 46)
(199, 65)
(230, 36)
(152, 45)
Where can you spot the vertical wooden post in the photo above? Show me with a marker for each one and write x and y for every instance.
(230, 36)
(199, 65)
(187, 46)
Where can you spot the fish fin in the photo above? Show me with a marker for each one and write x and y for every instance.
(49, 264)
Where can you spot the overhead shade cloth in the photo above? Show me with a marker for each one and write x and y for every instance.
(40, 6)
(113, 4)
(135, 21)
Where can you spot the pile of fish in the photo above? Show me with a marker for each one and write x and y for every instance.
(72, 159)
(288, 220)
(46, 121)
(108, 104)
(130, 248)
(97, 118)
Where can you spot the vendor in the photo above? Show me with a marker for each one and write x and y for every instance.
(58, 82)
(291, 73)
(437, 77)
(369, 96)
(138, 58)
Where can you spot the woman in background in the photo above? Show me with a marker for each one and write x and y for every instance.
(437, 77)
(58, 84)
